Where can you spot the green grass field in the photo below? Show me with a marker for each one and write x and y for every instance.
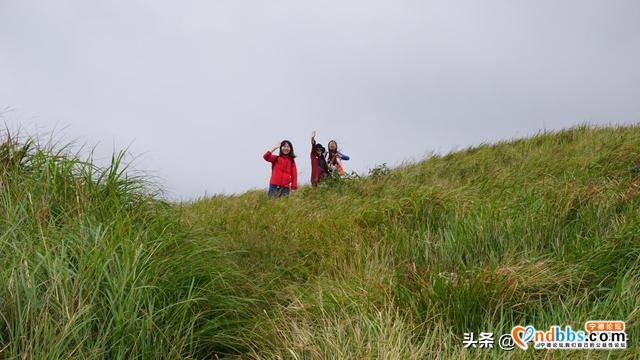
(396, 265)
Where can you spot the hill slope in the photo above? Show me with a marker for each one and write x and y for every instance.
(542, 231)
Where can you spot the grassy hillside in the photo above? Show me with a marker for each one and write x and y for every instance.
(94, 266)
(538, 231)
(542, 231)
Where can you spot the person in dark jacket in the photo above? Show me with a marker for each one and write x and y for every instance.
(319, 168)
(284, 174)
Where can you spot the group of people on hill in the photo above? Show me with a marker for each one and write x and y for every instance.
(284, 173)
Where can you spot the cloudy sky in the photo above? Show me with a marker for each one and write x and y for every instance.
(198, 90)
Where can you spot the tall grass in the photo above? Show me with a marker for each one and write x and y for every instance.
(541, 231)
(397, 265)
(93, 265)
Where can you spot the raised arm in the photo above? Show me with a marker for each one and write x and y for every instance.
(343, 156)
(268, 156)
(313, 143)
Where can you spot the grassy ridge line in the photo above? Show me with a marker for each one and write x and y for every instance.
(536, 231)
(542, 231)
(94, 266)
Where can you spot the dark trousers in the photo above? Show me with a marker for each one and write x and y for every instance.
(278, 191)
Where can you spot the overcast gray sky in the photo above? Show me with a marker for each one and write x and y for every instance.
(200, 89)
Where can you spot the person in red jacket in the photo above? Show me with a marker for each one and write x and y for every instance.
(284, 174)
(319, 167)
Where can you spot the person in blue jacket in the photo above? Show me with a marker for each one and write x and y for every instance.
(335, 158)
